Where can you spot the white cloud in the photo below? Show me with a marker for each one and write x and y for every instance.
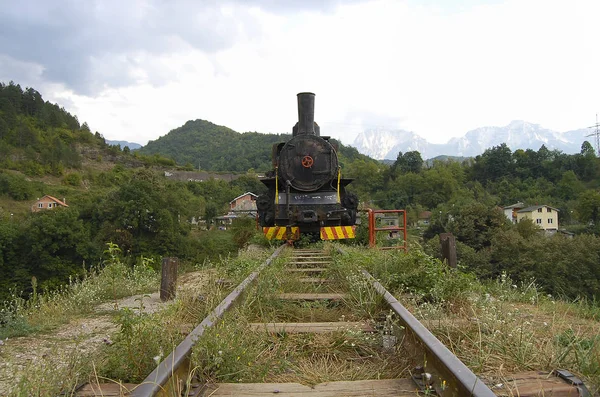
(392, 64)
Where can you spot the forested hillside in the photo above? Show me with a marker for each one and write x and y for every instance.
(113, 195)
(204, 145)
(119, 196)
(466, 199)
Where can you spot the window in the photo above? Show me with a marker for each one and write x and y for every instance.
(548, 209)
(538, 221)
(49, 205)
(550, 220)
(40, 205)
(539, 210)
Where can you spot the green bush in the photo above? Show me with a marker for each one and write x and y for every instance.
(73, 179)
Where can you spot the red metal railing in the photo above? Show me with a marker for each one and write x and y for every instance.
(373, 229)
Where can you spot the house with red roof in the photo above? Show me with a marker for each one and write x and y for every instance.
(47, 203)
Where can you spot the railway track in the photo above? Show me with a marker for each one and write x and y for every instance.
(314, 333)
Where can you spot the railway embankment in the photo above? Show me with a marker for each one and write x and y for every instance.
(498, 329)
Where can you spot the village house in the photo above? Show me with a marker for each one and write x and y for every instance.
(511, 211)
(48, 202)
(424, 218)
(543, 216)
(243, 205)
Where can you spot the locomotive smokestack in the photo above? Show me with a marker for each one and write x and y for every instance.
(306, 114)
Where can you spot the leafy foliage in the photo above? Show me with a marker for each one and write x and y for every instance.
(211, 147)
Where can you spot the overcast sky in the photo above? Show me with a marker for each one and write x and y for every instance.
(134, 70)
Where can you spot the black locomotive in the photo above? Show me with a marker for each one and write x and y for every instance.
(307, 193)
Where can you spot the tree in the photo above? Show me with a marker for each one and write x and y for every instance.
(210, 213)
(587, 149)
(55, 244)
(588, 207)
(412, 162)
(493, 164)
(569, 186)
(3, 128)
(473, 223)
(407, 162)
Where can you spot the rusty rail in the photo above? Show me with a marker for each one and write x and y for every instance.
(449, 376)
(154, 382)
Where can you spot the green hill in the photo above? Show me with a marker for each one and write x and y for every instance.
(212, 147)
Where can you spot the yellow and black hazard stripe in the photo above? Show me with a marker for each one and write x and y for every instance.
(282, 233)
(337, 232)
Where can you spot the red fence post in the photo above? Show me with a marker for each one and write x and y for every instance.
(371, 228)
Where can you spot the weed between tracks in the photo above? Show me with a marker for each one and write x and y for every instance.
(234, 352)
(496, 328)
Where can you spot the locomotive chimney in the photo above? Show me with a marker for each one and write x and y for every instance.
(306, 114)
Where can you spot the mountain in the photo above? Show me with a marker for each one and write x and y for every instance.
(212, 147)
(131, 145)
(382, 144)
(385, 144)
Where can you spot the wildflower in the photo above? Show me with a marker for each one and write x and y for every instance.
(157, 359)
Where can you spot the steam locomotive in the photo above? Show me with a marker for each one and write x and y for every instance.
(306, 191)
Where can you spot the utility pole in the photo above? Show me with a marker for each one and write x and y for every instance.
(596, 133)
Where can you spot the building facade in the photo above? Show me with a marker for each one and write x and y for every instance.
(543, 216)
(47, 203)
(511, 211)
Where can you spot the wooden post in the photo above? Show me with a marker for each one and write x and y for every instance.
(448, 242)
(168, 282)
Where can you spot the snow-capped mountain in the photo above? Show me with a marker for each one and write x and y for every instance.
(381, 144)
(385, 144)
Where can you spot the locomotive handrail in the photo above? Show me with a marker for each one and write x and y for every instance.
(165, 370)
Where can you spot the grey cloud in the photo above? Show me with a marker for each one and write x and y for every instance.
(84, 44)
(87, 45)
(290, 6)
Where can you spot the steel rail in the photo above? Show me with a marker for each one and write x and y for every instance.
(164, 371)
(452, 377)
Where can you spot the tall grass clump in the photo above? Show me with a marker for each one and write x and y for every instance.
(415, 273)
(111, 280)
(145, 339)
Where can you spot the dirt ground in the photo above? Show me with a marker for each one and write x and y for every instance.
(83, 336)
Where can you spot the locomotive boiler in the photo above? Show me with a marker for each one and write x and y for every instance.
(306, 191)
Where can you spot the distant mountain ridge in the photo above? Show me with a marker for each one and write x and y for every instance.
(385, 144)
(130, 145)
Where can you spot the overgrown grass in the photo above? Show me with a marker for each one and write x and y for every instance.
(142, 339)
(145, 339)
(496, 327)
(44, 311)
(232, 351)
